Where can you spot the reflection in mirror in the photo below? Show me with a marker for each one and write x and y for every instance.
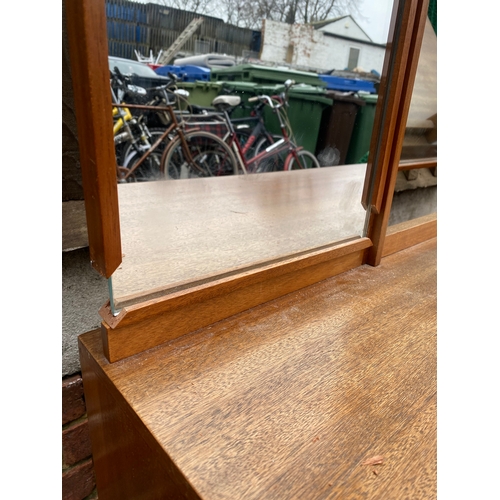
(415, 193)
(237, 146)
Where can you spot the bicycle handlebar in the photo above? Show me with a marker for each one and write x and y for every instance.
(125, 79)
(266, 99)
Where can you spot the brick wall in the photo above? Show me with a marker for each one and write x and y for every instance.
(78, 481)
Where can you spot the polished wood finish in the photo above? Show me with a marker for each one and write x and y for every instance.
(120, 439)
(88, 48)
(420, 163)
(148, 324)
(413, 15)
(285, 400)
(409, 233)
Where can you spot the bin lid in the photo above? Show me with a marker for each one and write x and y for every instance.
(241, 86)
(346, 84)
(195, 69)
(345, 97)
(165, 70)
(200, 83)
(272, 73)
(301, 91)
(369, 98)
(268, 69)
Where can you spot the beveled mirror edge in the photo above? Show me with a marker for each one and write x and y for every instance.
(146, 325)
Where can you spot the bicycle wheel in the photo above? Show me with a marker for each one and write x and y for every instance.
(274, 163)
(156, 133)
(305, 160)
(150, 168)
(211, 157)
(243, 135)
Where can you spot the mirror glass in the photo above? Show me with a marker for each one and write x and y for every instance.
(415, 193)
(237, 145)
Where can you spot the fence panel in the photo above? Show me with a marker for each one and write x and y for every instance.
(151, 27)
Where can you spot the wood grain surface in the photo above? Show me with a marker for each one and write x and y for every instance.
(174, 233)
(430, 163)
(288, 399)
(408, 233)
(152, 323)
(88, 51)
(74, 225)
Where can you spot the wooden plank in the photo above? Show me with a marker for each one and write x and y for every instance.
(420, 163)
(288, 399)
(409, 233)
(86, 27)
(143, 326)
(74, 226)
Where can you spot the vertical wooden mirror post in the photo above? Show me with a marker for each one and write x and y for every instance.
(90, 76)
(400, 68)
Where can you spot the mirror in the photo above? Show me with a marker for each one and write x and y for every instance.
(415, 193)
(192, 214)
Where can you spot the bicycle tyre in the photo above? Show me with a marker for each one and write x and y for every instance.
(212, 157)
(306, 159)
(150, 169)
(274, 163)
(156, 133)
(243, 135)
(260, 142)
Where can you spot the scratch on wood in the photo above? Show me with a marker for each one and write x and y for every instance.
(376, 460)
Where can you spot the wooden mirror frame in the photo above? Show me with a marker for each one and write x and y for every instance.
(148, 324)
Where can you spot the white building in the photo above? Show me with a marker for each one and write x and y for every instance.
(334, 44)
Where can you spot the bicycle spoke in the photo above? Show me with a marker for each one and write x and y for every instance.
(209, 157)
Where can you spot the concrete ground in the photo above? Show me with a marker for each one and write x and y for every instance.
(84, 291)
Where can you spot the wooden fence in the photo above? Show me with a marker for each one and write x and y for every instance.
(151, 27)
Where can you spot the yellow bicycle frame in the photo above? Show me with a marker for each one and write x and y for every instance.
(119, 123)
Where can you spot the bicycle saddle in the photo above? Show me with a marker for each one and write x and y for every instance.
(226, 101)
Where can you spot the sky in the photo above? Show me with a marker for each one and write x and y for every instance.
(375, 18)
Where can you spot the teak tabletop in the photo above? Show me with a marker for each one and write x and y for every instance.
(284, 401)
